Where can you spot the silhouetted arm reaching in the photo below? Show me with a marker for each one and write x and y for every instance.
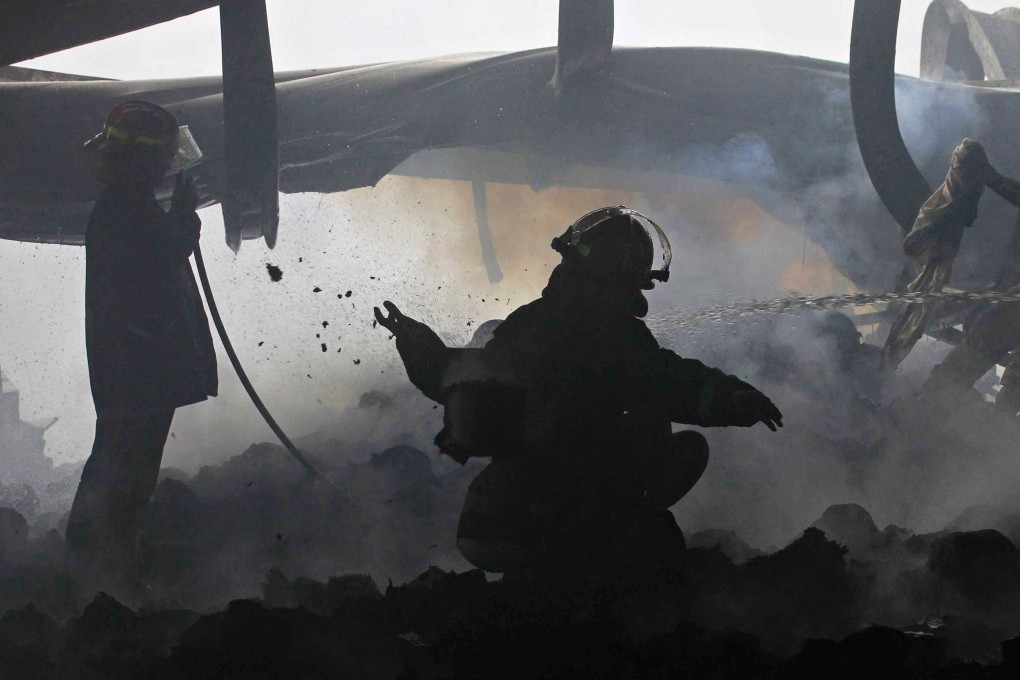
(688, 391)
(697, 394)
(424, 354)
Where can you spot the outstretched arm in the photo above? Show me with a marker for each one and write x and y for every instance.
(696, 394)
(424, 354)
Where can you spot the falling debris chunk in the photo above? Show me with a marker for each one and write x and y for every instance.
(349, 293)
(357, 362)
(275, 273)
(262, 343)
(325, 323)
(316, 290)
(323, 347)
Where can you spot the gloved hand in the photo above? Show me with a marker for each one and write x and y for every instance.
(754, 407)
(183, 204)
(397, 322)
(424, 354)
(971, 160)
(408, 331)
(185, 198)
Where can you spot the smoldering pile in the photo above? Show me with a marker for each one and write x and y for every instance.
(842, 600)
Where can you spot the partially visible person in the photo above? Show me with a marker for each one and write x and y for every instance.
(147, 337)
(934, 241)
(992, 333)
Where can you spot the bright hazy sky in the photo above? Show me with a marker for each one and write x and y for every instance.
(44, 353)
(322, 33)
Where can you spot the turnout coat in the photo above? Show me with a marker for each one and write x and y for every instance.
(146, 333)
(573, 454)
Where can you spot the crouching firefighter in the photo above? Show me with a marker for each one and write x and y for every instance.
(573, 398)
(147, 337)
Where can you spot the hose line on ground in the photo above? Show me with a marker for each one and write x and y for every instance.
(250, 389)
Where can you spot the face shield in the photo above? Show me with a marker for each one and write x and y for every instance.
(571, 240)
(180, 150)
(186, 153)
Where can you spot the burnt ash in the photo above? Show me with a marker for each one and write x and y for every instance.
(462, 625)
(255, 570)
(307, 567)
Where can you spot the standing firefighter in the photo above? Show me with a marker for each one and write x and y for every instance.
(573, 399)
(147, 337)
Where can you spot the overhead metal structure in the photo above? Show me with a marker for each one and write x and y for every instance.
(250, 200)
(895, 176)
(959, 44)
(32, 28)
(773, 128)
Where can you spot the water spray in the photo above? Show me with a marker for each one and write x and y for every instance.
(679, 319)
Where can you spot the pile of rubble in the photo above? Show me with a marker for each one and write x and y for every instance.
(842, 600)
(447, 625)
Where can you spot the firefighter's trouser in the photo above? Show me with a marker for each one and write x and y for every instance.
(516, 509)
(117, 481)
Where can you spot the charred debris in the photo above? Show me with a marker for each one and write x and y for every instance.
(251, 570)
(935, 605)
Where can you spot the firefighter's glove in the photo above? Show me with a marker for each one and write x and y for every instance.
(396, 322)
(407, 331)
(751, 406)
(185, 198)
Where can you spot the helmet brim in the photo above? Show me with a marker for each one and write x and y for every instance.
(98, 143)
(104, 144)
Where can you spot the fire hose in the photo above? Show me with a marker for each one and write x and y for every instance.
(250, 389)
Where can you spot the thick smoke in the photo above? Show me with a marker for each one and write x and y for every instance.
(334, 381)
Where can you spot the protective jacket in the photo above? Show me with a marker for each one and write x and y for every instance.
(147, 336)
(586, 462)
(588, 372)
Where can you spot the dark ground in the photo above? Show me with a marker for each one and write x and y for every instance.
(805, 611)
(844, 599)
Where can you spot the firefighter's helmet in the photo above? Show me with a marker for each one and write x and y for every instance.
(141, 125)
(614, 240)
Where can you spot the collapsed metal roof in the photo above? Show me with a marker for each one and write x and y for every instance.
(32, 28)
